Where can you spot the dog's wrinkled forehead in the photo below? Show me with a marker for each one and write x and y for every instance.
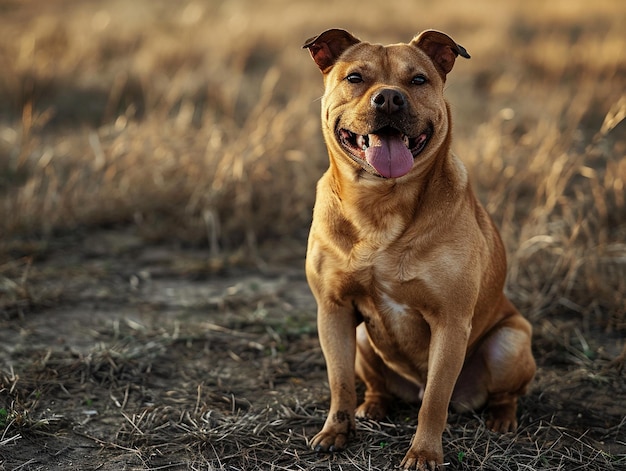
(337, 45)
(400, 59)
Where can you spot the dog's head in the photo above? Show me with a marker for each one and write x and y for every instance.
(383, 106)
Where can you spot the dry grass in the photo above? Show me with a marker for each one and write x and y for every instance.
(197, 124)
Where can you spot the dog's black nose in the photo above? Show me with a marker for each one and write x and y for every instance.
(388, 100)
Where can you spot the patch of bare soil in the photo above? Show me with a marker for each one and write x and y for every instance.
(135, 357)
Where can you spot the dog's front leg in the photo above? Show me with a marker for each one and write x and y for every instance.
(337, 334)
(448, 344)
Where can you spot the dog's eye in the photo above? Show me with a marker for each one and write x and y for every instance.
(355, 78)
(419, 80)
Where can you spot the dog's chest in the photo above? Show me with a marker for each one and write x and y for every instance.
(398, 294)
(398, 332)
(392, 308)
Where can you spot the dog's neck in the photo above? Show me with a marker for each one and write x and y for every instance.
(380, 211)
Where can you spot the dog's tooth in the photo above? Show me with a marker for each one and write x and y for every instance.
(406, 140)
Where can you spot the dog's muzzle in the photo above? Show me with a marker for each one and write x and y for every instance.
(386, 152)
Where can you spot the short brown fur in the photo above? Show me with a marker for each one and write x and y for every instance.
(408, 272)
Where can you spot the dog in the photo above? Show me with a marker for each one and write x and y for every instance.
(406, 266)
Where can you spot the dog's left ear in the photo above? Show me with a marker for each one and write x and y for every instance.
(326, 48)
(441, 48)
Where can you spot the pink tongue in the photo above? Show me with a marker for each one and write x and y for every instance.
(389, 156)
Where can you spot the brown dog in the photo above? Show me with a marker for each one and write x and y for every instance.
(405, 264)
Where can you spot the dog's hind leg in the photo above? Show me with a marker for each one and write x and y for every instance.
(498, 372)
(381, 383)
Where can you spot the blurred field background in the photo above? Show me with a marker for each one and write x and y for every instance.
(198, 122)
(195, 124)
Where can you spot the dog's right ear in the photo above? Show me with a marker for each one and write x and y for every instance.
(326, 48)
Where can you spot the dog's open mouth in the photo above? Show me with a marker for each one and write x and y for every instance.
(388, 151)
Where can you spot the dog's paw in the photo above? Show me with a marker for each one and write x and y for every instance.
(329, 442)
(372, 409)
(425, 454)
(338, 429)
(502, 424)
(502, 418)
(422, 461)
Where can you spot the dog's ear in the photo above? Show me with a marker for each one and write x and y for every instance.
(441, 48)
(326, 48)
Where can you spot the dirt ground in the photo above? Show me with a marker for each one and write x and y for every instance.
(131, 356)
